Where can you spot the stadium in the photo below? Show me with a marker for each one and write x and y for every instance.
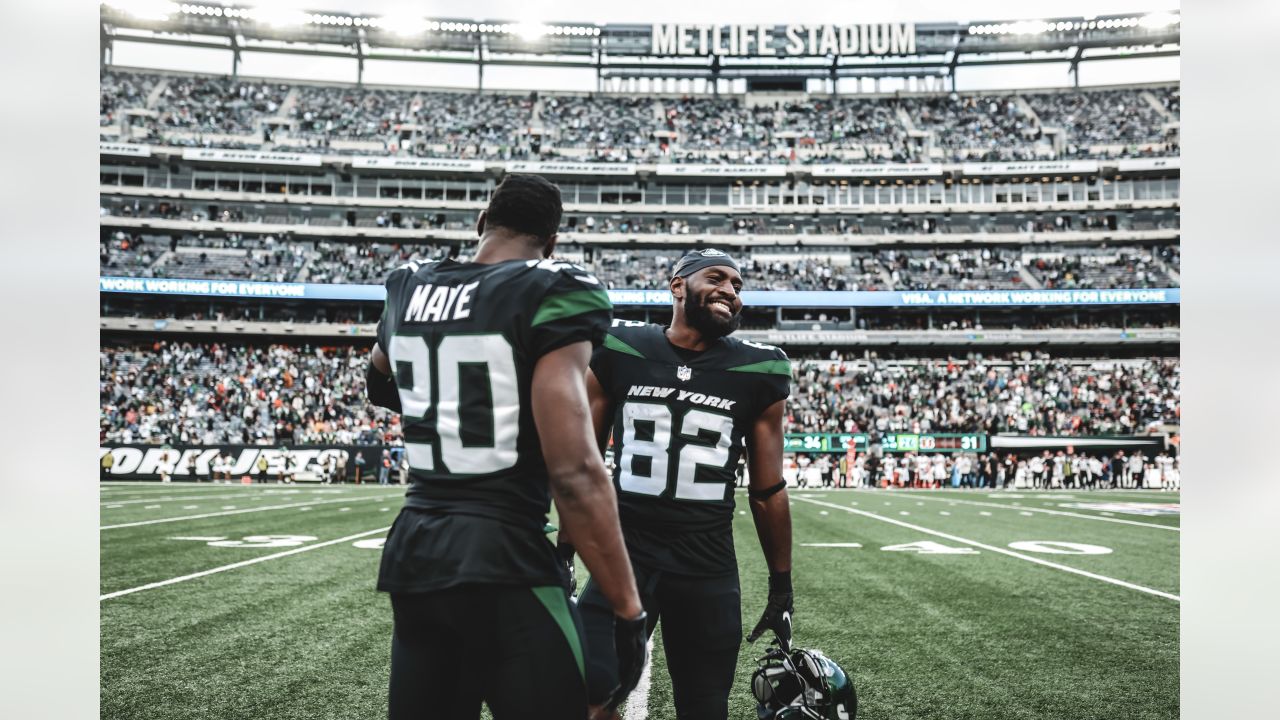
(978, 291)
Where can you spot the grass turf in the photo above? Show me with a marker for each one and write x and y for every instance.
(981, 635)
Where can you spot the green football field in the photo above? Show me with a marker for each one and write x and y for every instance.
(257, 602)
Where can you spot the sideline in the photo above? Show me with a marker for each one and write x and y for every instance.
(638, 700)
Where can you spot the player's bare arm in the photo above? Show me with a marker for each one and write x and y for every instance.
(601, 418)
(771, 511)
(587, 504)
(380, 386)
(601, 410)
(579, 483)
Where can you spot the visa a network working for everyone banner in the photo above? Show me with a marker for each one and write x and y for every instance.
(763, 298)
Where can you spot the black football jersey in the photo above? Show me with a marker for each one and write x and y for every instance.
(463, 340)
(680, 422)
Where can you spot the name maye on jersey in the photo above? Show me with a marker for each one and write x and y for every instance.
(442, 303)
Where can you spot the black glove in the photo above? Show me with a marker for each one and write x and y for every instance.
(566, 551)
(631, 640)
(777, 612)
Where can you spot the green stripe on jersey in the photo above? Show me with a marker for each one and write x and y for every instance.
(769, 367)
(556, 307)
(553, 599)
(617, 345)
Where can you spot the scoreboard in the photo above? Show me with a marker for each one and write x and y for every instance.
(948, 442)
(824, 442)
(893, 442)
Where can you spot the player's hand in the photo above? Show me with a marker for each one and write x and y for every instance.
(777, 611)
(566, 553)
(630, 639)
(573, 578)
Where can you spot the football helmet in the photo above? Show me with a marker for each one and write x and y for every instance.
(802, 685)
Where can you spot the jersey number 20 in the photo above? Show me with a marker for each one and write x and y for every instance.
(494, 352)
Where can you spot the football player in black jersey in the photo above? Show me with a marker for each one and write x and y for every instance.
(684, 403)
(485, 361)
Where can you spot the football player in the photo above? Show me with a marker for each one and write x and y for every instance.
(485, 361)
(683, 403)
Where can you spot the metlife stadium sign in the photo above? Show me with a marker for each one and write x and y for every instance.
(784, 40)
(759, 298)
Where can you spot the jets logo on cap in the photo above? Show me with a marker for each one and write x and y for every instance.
(711, 252)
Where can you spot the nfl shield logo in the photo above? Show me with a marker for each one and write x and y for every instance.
(684, 373)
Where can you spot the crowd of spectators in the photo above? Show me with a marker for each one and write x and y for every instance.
(1026, 393)
(227, 393)
(709, 124)
(982, 127)
(348, 113)
(225, 257)
(467, 123)
(272, 259)
(1103, 117)
(217, 104)
(598, 121)
(611, 128)
(715, 223)
(1121, 267)
(123, 254)
(905, 269)
(233, 393)
(122, 90)
(365, 263)
(952, 269)
(995, 470)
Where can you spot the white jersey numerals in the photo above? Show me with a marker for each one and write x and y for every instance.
(578, 272)
(494, 352)
(658, 451)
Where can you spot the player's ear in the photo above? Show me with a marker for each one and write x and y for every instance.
(677, 288)
(484, 215)
(550, 247)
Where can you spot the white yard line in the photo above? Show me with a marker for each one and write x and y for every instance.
(1025, 509)
(202, 496)
(1002, 551)
(638, 700)
(309, 503)
(243, 563)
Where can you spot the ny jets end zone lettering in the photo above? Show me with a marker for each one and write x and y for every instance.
(681, 395)
(135, 461)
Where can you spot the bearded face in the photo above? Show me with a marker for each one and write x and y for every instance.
(712, 304)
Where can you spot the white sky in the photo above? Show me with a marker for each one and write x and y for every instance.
(665, 11)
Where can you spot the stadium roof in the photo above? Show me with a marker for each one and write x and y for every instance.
(660, 50)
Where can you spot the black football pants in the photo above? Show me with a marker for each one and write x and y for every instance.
(516, 648)
(701, 633)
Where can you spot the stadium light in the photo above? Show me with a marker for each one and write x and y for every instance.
(331, 20)
(1157, 20)
(403, 23)
(146, 9)
(1028, 27)
(279, 17)
(530, 31)
(206, 10)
